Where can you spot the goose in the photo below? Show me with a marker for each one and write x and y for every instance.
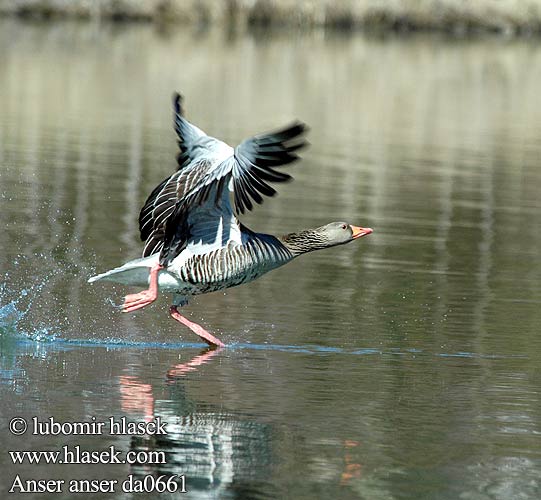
(193, 241)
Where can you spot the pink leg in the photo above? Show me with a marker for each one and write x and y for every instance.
(146, 297)
(194, 327)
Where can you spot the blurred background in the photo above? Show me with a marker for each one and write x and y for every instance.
(402, 366)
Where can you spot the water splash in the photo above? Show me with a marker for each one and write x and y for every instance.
(14, 308)
(11, 318)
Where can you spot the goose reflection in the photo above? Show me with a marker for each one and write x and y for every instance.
(182, 369)
(136, 397)
(214, 449)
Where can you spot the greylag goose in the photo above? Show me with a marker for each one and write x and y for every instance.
(194, 243)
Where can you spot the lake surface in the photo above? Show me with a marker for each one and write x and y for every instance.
(405, 365)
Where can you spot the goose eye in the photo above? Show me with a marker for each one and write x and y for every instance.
(344, 226)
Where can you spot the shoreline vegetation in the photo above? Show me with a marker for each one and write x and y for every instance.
(455, 17)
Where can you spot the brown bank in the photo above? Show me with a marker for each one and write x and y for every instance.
(508, 17)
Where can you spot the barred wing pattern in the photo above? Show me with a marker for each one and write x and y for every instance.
(163, 219)
(206, 167)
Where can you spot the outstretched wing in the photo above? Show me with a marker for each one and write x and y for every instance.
(163, 214)
(206, 167)
(255, 161)
(161, 202)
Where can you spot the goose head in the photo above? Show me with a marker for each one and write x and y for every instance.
(330, 235)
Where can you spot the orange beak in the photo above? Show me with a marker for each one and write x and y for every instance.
(360, 231)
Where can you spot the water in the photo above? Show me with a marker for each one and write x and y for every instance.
(402, 366)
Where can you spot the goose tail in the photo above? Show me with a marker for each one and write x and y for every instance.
(135, 272)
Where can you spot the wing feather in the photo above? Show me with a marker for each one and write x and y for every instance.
(254, 159)
(187, 134)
